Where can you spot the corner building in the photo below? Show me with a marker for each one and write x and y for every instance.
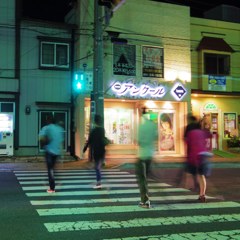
(146, 63)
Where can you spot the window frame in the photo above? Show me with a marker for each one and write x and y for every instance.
(218, 56)
(54, 65)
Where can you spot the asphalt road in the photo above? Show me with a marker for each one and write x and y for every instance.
(76, 211)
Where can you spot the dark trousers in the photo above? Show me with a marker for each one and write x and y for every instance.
(51, 161)
(98, 165)
(142, 170)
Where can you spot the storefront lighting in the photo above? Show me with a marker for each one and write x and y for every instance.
(171, 75)
(184, 76)
(167, 105)
(150, 104)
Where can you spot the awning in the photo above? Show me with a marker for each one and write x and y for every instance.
(217, 44)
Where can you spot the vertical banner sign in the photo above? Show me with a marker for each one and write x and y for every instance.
(152, 62)
(216, 83)
(124, 60)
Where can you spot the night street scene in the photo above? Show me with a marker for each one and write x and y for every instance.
(119, 119)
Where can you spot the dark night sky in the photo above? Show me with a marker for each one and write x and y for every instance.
(199, 6)
(55, 10)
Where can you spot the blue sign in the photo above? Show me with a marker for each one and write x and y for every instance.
(217, 83)
(178, 91)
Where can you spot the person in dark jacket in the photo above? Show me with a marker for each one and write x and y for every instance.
(97, 143)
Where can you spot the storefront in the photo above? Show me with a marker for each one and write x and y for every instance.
(121, 119)
(218, 114)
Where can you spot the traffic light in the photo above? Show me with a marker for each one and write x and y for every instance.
(79, 82)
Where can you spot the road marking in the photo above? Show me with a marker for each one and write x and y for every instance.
(116, 200)
(75, 181)
(140, 222)
(70, 173)
(67, 170)
(133, 208)
(86, 186)
(229, 234)
(33, 183)
(78, 176)
(101, 192)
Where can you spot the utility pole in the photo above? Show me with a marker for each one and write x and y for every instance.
(97, 96)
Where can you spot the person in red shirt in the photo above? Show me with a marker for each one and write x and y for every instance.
(197, 155)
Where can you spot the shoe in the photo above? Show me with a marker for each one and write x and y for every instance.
(50, 191)
(97, 186)
(202, 198)
(145, 205)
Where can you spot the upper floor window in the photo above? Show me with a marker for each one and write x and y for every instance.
(54, 55)
(216, 64)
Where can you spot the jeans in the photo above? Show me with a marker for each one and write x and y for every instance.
(142, 170)
(98, 166)
(51, 161)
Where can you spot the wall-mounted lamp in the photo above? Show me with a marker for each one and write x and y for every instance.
(27, 109)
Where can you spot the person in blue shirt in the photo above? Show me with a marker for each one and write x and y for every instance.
(51, 136)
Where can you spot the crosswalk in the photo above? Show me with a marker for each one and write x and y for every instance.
(112, 213)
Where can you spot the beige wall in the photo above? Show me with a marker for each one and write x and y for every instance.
(230, 32)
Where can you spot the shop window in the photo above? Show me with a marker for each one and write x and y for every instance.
(230, 125)
(119, 125)
(216, 64)
(54, 55)
(7, 107)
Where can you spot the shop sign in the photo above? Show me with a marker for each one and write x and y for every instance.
(123, 89)
(124, 60)
(152, 62)
(210, 106)
(216, 83)
(178, 91)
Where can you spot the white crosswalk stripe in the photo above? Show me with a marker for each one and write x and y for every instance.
(77, 207)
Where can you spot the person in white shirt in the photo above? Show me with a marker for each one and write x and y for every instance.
(147, 136)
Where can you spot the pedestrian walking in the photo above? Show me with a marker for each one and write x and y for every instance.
(51, 137)
(198, 158)
(193, 123)
(97, 142)
(147, 135)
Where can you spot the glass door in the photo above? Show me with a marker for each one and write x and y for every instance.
(60, 118)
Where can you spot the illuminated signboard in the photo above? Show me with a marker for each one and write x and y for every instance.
(6, 122)
(124, 89)
(178, 91)
(210, 106)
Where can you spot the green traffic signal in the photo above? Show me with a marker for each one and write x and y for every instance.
(79, 82)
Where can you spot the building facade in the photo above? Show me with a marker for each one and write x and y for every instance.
(216, 78)
(35, 80)
(145, 64)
